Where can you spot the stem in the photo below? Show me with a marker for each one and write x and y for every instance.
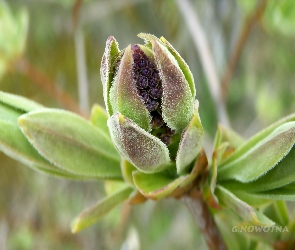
(50, 87)
(202, 46)
(242, 39)
(81, 71)
(203, 217)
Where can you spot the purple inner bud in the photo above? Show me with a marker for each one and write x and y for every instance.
(135, 67)
(142, 82)
(166, 139)
(136, 57)
(156, 75)
(146, 72)
(149, 87)
(155, 93)
(151, 64)
(151, 105)
(142, 63)
(136, 49)
(169, 131)
(157, 120)
(144, 95)
(153, 83)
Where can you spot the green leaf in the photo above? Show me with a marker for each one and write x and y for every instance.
(99, 118)
(8, 113)
(15, 145)
(103, 207)
(19, 102)
(272, 212)
(111, 50)
(257, 138)
(145, 151)
(281, 212)
(228, 135)
(191, 142)
(159, 185)
(279, 176)
(127, 169)
(71, 143)
(177, 99)
(283, 193)
(216, 158)
(246, 212)
(124, 97)
(251, 199)
(261, 158)
(182, 64)
(113, 186)
(156, 186)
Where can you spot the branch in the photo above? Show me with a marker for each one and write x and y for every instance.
(81, 70)
(80, 58)
(236, 54)
(206, 58)
(76, 12)
(45, 83)
(204, 220)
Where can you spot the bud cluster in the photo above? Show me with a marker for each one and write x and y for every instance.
(149, 95)
(149, 87)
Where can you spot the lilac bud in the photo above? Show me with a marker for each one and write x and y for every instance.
(151, 89)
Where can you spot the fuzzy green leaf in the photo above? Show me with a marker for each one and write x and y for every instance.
(261, 158)
(246, 212)
(156, 186)
(252, 200)
(216, 158)
(159, 185)
(124, 97)
(103, 207)
(19, 102)
(279, 176)
(177, 99)
(282, 212)
(127, 169)
(191, 142)
(145, 151)
(99, 118)
(258, 138)
(111, 50)
(283, 193)
(14, 144)
(183, 66)
(224, 134)
(113, 186)
(71, 143)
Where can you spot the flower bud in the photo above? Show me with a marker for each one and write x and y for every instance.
(149, 95)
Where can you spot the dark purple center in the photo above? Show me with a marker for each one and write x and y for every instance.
(149, 87)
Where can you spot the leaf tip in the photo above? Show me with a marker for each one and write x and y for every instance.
(75, 225)
(21, 121)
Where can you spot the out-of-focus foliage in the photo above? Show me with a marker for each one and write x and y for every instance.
(280, 17)
(13, 35)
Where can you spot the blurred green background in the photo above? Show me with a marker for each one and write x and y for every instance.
(50, 51)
